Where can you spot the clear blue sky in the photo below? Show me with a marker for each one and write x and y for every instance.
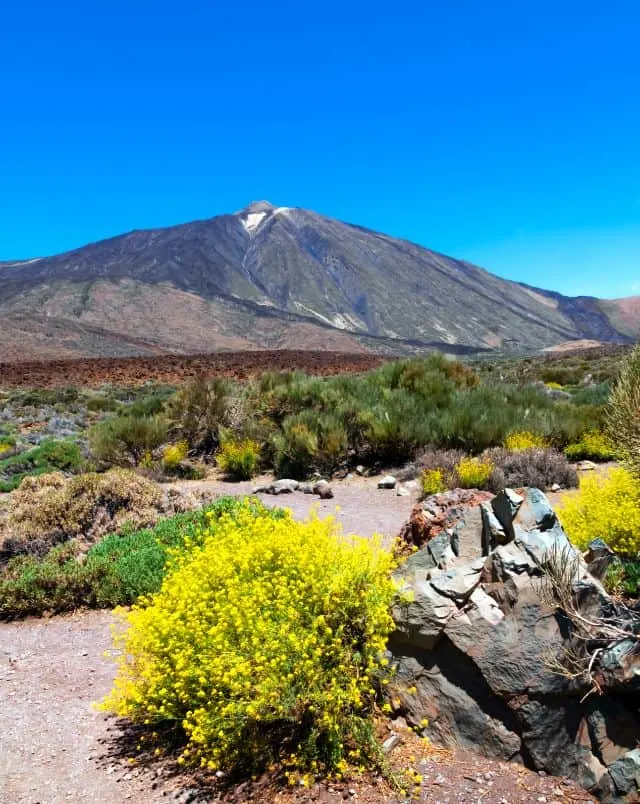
(502, 132)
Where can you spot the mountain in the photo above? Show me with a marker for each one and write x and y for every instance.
(281, 277)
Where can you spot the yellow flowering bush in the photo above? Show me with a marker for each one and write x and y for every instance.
(262, 644)
(433, 482)
(605, 507)
(523, 439)
(174, 454)
(593, 446)
(474, 473)
(239, 460)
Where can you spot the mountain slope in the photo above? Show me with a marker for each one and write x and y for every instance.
(272, 277)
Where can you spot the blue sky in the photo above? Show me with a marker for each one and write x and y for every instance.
(500, 132)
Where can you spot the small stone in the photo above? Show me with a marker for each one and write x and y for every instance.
(390, 743)
(387, 482)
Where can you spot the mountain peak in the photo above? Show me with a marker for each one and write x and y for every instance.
(256, 207)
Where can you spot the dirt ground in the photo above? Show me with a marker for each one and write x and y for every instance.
(177, 369)
(55, 747)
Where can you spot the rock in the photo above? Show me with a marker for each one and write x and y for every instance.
(284, 486)
(599, 558)
(360, 470)
(479, 653)
(586, 466)
(261, 489)
(421, 620)
(493, 533)
(390, 743)
(625, 773)
(323, 490)
(306, 488)
(402, 491)
(457, 584)
(387, 482)
(555, 487)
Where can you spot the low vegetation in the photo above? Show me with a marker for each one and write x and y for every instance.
(50, 509)
(263, 644)
(115, 571)
(49, 456)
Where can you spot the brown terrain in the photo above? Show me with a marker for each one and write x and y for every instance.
(172, 369)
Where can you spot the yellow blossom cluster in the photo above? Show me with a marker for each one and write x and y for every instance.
(520, 440)
(263, 644)
(608, 508)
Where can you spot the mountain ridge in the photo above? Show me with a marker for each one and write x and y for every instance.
(267, 276)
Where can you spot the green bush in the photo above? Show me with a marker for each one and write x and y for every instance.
(199, 411)
(263, 643)
(126, 440)
(624, 412)
(239, 460)
(623, 578)
(100, 404)
(50, 456)
(116, 571)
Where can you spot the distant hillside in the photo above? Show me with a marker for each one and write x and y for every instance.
(281, 277)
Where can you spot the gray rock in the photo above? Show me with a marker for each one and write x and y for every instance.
(284, 486)
(306, 488)
(505, 506)
(402, 491)
(493, 533)
(387, 482)
(323, 490)
(360, 470)
(459, 583)
(421, 619)
(599, 558)
(586, 466)
(439, 548)
(625, 773)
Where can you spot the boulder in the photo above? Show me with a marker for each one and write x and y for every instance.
(323, 489)
(387, 482)
(481, 655)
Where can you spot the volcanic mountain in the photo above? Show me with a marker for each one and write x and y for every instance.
(280, 277)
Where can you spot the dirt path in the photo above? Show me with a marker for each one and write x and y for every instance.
(358, 504)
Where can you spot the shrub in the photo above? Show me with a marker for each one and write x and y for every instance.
(519, 440)
(536, 468)
(173, 455)
(199, 410)
(48, 457)
(608, 508)
(474, 473)
(116, 571)
(263, 644)
(100, 404)
(623, 421)
(593, 446)
(433, 482)
(623, 578)
(50, 508)
(444, 460)
(125, 440)
(239, 460)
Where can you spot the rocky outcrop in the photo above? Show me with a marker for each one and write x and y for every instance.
(482, 654)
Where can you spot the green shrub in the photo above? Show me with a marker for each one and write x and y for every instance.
(607, 508)
(100, 404)
(593, 446)
(623, 578)
(49, 456)
(199, 411)
(592, 395)
(239, 460)
(125, 440)
(624, 412)
(116, 571)
(263, 643)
